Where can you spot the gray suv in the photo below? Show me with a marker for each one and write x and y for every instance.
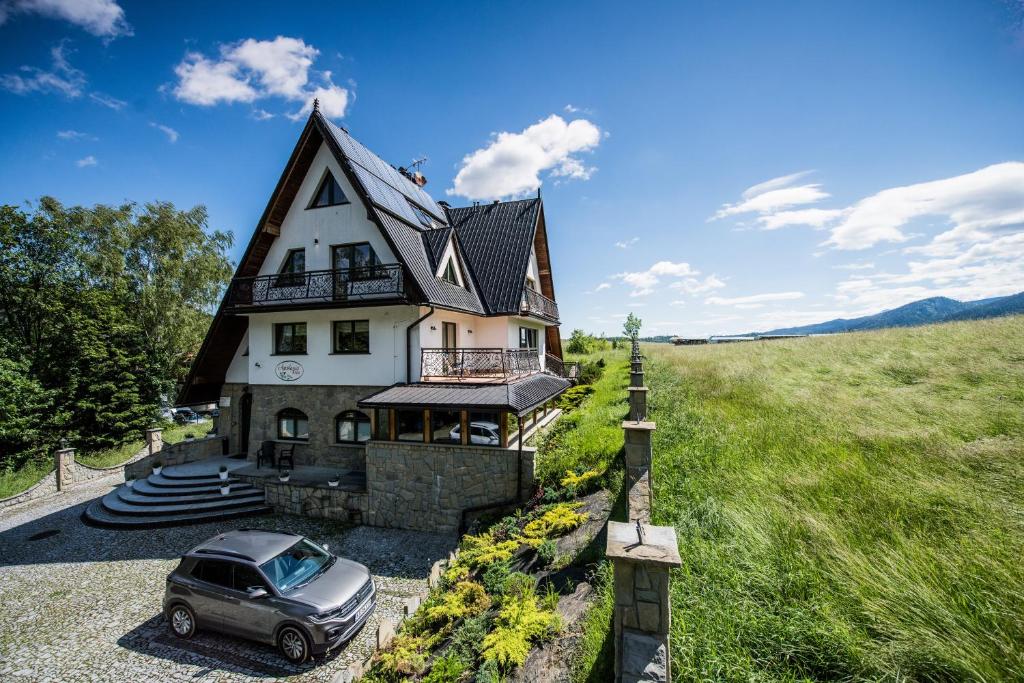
(277, 588)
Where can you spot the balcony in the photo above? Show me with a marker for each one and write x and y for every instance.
(536, 304)
(497, 365)
(365, 286)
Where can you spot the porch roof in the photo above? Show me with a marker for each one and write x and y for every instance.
(520, 396)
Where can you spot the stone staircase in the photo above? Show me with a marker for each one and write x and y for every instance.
(180, 494)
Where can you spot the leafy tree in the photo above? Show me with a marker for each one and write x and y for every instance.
(579, 342)
(631, 328)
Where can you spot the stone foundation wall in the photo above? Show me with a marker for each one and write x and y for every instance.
(428, 486)
(321, 404)
(176, 454)
(315, 501)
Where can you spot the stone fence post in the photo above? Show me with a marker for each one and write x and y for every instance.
(639, 454)
(154, 440)
(641, 557)
(64, 464)
(637, 403)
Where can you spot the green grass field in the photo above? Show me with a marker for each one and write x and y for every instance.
(848, 507)
(13, 483)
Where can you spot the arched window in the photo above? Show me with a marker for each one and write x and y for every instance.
(292, 425)
(352, 426)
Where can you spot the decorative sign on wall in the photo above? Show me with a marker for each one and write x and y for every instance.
(288, 370)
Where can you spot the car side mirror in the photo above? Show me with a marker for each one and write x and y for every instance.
(255, 593)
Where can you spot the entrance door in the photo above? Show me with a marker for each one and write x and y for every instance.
(244, 417)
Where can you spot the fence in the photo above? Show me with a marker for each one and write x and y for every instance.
(642, 555)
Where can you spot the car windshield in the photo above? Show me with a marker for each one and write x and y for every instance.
(300, 564)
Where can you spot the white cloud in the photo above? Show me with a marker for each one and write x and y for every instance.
(172, 135)
(867, 265)
(816, 218)
(773, 195)
(86, 161)
(626, 244)
(754, 299)
(682, 276)
(257, 69)
(261, 114)
(74, 135)
(99, 17)
(976, 204)
(511, 165)
(107, 101)
(61, 78)
(601, 287)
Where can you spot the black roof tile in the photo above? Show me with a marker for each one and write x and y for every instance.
(520, 396)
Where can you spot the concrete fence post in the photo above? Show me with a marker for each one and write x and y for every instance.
(641, 560)
(64, 464)
(637, 403)
(639, 455)
(154, 440)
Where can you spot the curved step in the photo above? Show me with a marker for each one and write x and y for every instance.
(160, 481)
(96, 515)
(144, 488)
(128, 496)
(112, 503)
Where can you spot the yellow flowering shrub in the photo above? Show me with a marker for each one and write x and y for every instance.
(558, 521)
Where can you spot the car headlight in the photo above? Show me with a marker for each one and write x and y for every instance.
(322, 617)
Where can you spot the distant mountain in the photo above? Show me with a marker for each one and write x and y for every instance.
(932, 310)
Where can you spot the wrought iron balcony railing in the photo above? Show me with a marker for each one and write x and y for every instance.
(537, 304)
(501, 364)
(338, 286)
(561, 368)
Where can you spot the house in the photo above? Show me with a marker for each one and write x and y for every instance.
(374, 330)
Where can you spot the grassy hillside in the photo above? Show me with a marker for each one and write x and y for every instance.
(848, 507)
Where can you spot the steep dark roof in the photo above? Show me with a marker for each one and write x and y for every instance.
(520, 396)
(495, 240)
(436, 241)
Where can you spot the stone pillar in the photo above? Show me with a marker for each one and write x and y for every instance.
(154, 440)
(64, 464)
(642, 616)
(637, 403)
(639, 455)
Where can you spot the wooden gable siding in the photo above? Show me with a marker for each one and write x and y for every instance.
(547, 284)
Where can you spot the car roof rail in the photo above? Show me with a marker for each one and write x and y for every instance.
(271, 531)
(225, 553)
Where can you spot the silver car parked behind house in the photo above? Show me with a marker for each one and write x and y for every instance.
(277, 588)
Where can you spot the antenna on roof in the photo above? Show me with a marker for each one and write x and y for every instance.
(413, 172)
(416, 163)
(316, 105)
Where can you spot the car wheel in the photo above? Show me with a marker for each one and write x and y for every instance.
(293, 644)
(182, 621)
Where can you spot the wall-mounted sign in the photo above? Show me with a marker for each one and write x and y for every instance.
(288, 370)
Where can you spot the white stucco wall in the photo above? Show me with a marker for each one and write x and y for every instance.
(330, 225)
(384, 365)
(238, 371)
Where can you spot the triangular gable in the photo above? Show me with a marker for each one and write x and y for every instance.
(451, 263)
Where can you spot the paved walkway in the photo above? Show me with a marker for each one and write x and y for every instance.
(83, 603)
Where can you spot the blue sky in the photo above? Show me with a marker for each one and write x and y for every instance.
(714, 167)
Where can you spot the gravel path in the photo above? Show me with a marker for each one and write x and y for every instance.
(84, 604)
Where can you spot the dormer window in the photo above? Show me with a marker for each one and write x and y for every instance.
(449, 273)
(328, 194)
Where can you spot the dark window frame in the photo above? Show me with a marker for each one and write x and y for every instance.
(356, 417)
(289, 275)
(370, 271)
(335, 351)
(295, 415)
(328, 178)
(278, 327)
(398, 425)
(524, 339)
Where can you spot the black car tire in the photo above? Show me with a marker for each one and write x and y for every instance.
(182, 621)
(293, 644)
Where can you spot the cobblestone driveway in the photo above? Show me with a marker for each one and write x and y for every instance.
(84, 604)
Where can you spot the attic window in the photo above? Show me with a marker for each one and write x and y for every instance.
(425, 220)
(328, 194)
(449, 273)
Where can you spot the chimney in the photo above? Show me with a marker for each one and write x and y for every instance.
(419, 178)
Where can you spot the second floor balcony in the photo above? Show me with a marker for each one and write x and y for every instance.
(536, 304)
(488, 365)
(368, 285)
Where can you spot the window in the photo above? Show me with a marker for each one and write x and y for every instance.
(292, 425)
(410, 425)
(528, 338)
(292, 268)
(351, 336)
(328, 194)
(531, 283)
(352, 426)
(449, 273)
(247, 577)
(289, 338)
(424, 218)
(301, 563)
(357, 259)
(383, 431)
(485, 428)
(217, 572)
(445, 426)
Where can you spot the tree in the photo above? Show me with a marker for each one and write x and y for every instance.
(631, 328)
(579, 342)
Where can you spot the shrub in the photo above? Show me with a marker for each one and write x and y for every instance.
(574, 397)
(406, 657)
(557, 521)
(590, 371)
(482, 550)
(468, 637)
(520, 623)
(447, 669)
(489, 673)
(495, 576)
(546, 552)
(466, 599)
(579, 482)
